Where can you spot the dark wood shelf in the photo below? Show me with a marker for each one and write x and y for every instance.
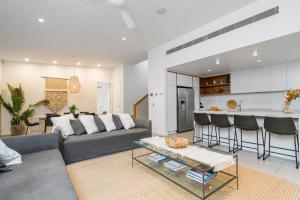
(215, 85)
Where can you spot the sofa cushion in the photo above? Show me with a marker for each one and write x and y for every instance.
(77, 127)
(108, 122)
(89, 124)
(118, 122)
(99, 124)
(63, 122)
(42, 176)
(127, 121)
(9, 156)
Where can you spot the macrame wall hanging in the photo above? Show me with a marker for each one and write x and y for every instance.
(56, 91)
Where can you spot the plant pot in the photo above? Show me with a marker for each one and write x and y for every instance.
(18, 129)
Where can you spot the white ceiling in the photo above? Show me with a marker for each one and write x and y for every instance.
(92, 31)
(281, 50)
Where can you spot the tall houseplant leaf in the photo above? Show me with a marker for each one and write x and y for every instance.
(15, 107)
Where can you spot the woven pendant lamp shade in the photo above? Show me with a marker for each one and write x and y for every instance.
(74, 84)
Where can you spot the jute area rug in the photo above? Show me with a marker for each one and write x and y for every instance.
(113, 178)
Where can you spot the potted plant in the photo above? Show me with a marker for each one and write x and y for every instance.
(73, 108)
(15, 109)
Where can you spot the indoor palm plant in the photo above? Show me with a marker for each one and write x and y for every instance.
(15, 109)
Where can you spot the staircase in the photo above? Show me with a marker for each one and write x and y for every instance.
(140, 108)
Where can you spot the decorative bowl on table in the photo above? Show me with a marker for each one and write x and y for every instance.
(177, 143)
(232, 104)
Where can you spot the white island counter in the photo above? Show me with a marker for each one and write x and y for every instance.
(277, 140)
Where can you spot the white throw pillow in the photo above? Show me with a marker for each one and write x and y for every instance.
(89, 123)
(127, 121)
(8, 156)
(108, 122)
(64, 124)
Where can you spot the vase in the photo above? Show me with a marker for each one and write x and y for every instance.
(18, 129)
(288, 108)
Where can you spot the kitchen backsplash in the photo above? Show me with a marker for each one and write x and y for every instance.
(272, 100)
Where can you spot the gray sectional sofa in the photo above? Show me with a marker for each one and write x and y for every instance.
(77, 148)
(43, 176)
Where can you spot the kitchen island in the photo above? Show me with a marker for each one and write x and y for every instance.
(277, 140)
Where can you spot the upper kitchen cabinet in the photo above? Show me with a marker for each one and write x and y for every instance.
(184, 80)
(240, 81)
(260, 79)
(264, 79)
(244, 81)
(278, 77)
(293, 75)
(235, 82)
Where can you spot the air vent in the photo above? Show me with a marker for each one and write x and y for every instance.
(227, 29)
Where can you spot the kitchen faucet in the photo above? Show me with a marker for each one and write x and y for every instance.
(240, 105)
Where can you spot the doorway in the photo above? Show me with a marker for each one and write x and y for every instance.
(103, 97)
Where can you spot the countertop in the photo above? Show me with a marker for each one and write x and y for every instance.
(255, 112)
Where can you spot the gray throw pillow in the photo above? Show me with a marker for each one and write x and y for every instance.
(118, 122)
(77, 127)
(99, 124)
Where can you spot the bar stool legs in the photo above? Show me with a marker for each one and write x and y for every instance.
(236, 146)
(257, 143)
(202, 135)
(296, 141)
(215, 136)
(296, 150)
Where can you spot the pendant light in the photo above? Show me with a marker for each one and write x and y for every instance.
(74, 84)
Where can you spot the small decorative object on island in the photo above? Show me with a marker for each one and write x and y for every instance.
(18, 118)
(288, 98)
(215, 108)
(177, 143)
(73, 108)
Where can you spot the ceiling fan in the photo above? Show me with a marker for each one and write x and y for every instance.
(121, 5)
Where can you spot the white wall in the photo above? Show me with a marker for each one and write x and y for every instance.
(29, 75)
(135, 84)
(282, 24)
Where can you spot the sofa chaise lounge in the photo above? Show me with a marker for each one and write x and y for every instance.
(43, 175)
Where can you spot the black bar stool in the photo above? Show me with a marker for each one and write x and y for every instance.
(202, 120)
(284, 127)
(220, 121)
(247, 123)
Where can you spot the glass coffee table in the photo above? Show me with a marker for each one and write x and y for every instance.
(202, 190)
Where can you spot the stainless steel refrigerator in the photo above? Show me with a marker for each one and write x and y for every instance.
(185, 109)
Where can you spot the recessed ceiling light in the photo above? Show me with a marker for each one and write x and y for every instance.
(124, 38)
(78, 63)
(55, 61)
(217, 61)
(161, 11)
(41, 20)
(26, 59)
(209, 70)
(255, 53)
(259, 60)
(98, 65)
